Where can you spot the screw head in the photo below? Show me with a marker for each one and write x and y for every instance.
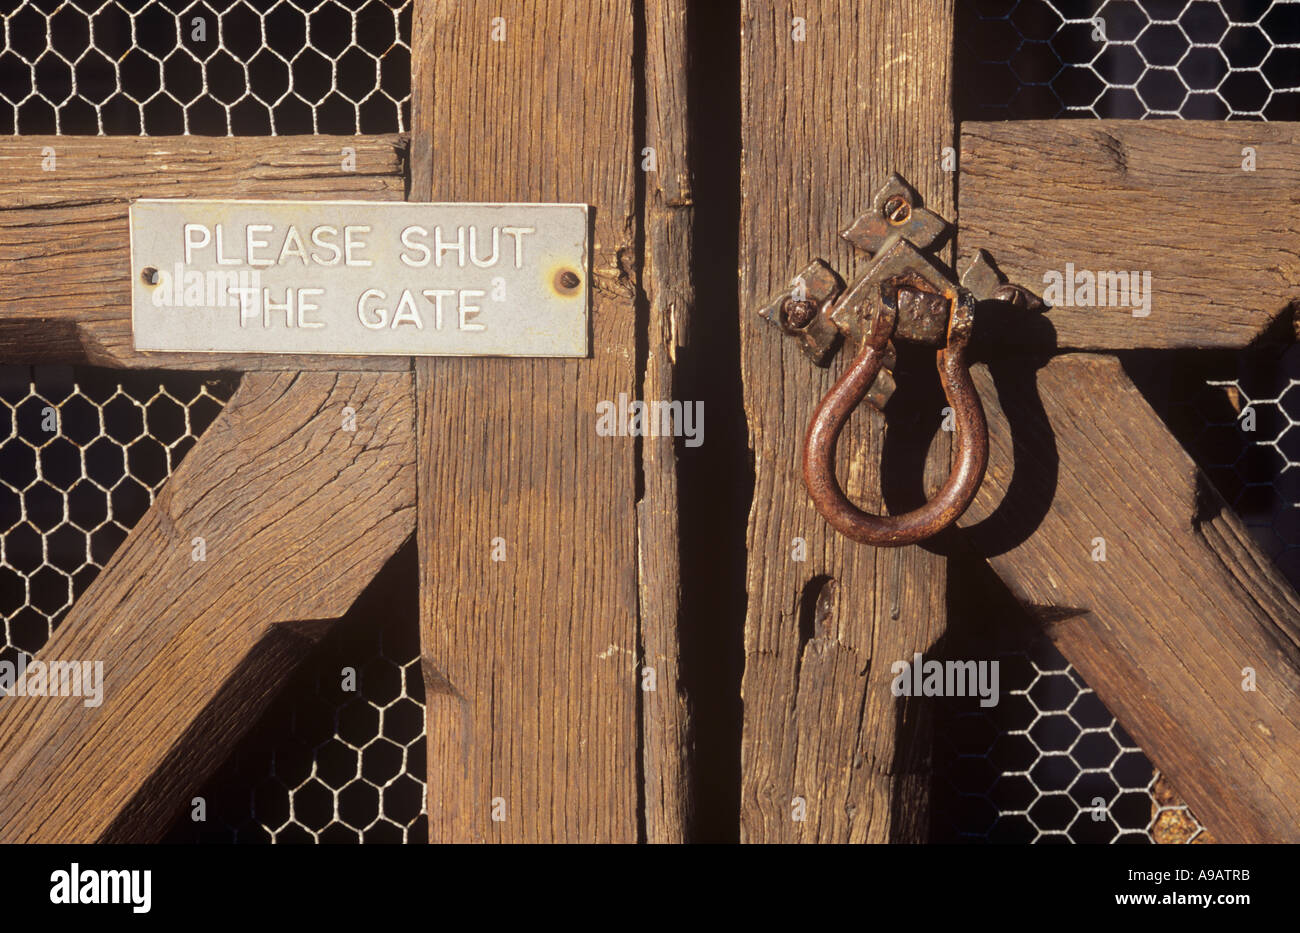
(567, 281)
(897, 210)
(799, 313)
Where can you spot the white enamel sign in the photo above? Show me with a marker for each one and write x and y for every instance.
(359, 277)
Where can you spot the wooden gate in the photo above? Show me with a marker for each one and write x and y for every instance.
(560, 613)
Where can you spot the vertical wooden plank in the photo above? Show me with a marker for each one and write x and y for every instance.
(669, 289)
(824, 121)
(529, 661)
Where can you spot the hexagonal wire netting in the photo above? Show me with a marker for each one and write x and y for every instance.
(329, 765)
(83, 452)
(82, 457)
(206, 67)
(1036, 767)
(1194, 59)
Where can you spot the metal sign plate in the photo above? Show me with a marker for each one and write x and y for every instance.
(359, 277)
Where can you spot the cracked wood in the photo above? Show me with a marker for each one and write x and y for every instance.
(824, 122)
(670, 295)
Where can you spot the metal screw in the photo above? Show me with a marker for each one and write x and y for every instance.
(799, 313)
(149, 275)
(569, 280)
(897, 210)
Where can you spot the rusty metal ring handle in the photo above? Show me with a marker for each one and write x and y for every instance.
(952, 499)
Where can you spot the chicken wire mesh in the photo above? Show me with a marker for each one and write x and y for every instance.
(1047, 763)
(1050, 763)
(1195, 59)
(339, 757)
(211, 68)
(83, 452)
(326, 764)
(82, 456)
(87, 450)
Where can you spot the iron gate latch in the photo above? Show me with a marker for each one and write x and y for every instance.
(904, 294)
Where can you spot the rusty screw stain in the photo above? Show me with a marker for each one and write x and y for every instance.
(149, 275)
(799, 313)
(897, 210)
(567, 280)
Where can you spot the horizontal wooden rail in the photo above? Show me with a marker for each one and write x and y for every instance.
(1208, 209)
(64, 240)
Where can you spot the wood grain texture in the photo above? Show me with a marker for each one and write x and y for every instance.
(1167, 197)
(530, 662)
(65, 267)
(297, 515)
(1184, 601)
(824, 122)
(667, 280)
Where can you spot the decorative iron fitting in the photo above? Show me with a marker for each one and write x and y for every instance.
(904, 295)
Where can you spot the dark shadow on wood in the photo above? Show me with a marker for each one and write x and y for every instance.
(1013, 344)
(287, 729)
(1036, 464)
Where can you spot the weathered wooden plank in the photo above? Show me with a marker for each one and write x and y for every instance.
(296, 514)
(1166, 197)
(667, 281)
(65, 245)
(1184, 602)
(824, 122)
(530, 661)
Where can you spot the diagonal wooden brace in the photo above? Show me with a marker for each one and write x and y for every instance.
(297, 513)
(1186, 630)
(1165, 628)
